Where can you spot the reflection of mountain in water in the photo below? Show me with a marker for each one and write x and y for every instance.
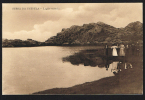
(91, 58)
(87, 57)
(98, 58)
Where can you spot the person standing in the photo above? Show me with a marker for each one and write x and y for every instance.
(114, 51)
(106, 50)
(127, 50)
(106, 54)
(121, 53)
(133, 49)
(117, 49)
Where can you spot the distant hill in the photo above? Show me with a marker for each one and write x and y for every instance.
(88, 34)
(99, 32)
(20, 43)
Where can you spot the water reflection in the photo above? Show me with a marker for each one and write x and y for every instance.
(27, 70)
(117, 66)
(99, 58)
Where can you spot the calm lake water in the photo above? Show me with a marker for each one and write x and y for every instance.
(27, 70)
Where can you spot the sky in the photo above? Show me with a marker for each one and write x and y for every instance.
(40, 21)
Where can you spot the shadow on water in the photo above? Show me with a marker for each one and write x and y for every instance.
(103, 58)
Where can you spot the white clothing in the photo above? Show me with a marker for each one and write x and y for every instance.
(126, 46)
(125, 66)
(114, 67)
(114, 52)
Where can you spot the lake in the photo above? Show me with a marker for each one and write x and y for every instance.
(26, 70)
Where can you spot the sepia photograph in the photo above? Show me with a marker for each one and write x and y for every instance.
(72, 48)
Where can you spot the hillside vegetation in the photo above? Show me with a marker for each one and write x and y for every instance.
(88, 34)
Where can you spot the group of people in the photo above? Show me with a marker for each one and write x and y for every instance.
(118, 52)
(122, 50)
(114, 48)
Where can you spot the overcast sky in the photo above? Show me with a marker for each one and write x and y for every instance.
(40, 24)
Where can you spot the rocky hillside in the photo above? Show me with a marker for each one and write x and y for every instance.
(88, 34)
(99, 32)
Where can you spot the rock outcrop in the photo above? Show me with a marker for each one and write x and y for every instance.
(99, 32)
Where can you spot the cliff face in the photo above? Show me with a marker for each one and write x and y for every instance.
(98, 32)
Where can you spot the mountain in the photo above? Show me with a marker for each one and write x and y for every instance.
(88, 34)
(99, 32)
